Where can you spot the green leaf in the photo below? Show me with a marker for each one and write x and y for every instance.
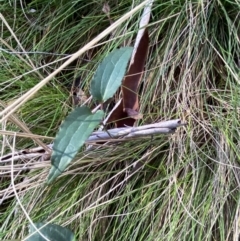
(73, 133)
(110, 73)
(52, 232)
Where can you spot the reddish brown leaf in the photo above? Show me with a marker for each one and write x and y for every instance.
(131, 82)
(126, 112)
(121, 115)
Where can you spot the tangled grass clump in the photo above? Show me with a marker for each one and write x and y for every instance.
(181, 187)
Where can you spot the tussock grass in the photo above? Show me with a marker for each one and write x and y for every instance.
(180, 187)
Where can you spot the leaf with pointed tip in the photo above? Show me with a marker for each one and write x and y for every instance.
(74, 131)
(110, 73)
(50, 231)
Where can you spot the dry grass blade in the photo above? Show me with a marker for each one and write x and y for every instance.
(23, 127)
